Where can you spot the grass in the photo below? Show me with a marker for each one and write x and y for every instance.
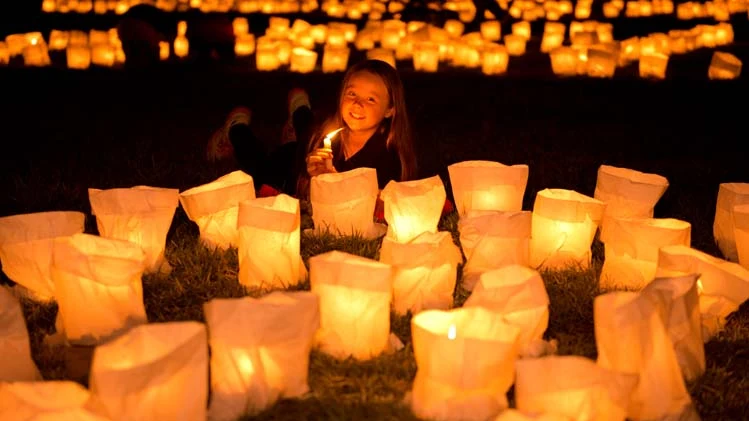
(121, 135)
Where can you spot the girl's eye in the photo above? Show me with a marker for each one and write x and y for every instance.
(351, 94)
(370, 99)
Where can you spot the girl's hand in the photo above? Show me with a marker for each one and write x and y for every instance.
(320, 161)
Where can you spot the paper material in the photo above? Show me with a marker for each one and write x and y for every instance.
(572, 386)
(49, 401)
(729, 195)
(259, 351)
(628, 193)
(424, 271)
(465, 363)
(491, 240)
(487, 186)
(344, 202)
(214, 207)
(157, 371)
(722, 286)
(355, 295)
(413, 207)
(269, 242)
(518, 294)
(98, 287)
(26, 242)
(631, 337)
(564, 225)
(16, 364)
(741, 233)
(141, 215)
(631, 249)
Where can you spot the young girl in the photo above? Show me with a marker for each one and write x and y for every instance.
(375, 134)
(375, 129)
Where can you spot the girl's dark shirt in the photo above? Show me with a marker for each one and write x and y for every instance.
(374, 154)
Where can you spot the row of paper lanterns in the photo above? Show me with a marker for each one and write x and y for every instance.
(467, 358)
(354, 293)
(101, 48)
(494, 233)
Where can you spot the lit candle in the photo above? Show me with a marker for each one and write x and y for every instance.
(451, 332)
(326, 142)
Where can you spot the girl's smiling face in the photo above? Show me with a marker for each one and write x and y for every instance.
(365, 103)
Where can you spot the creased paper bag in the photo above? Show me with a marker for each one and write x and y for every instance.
(491, 240)
(741, 233)
(26, 247)
(631, 248)
(355, 294)
(214, 207)
(564, 225)
(57, 400)
(487, 186)
(465, 363)
(517, 293)
(729, 195)
(413, 207)
(141, 215)
(98, 287)
(344, 202)
(424, 271)
(16, 364)
(631, 337)
(259, 351)
(572, 386)
(157, 371)
(679, 302)
(515, 415)
(269, 242)
(628, 193)
(723, 286)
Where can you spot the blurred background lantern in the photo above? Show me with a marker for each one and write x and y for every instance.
(729, 195)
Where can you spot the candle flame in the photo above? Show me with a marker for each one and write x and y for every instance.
(699, 286)
(34, 41)
(328, 137)
(451, 332)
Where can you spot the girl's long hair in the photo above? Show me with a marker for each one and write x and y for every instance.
(397, 127)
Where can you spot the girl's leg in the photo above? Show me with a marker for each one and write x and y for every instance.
(249, 153)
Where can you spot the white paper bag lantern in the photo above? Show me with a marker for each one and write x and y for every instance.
(631, 248)
(723, 286)
(724, 66)
(16, 364)
(49, 401)
(214, 207)
(465, 363)
(572, 386)
(679, 303)
(97, 286)
(269, 242)
(344, 202)
(492, 240)
(628, 193)
(601, 62)
(355, 294)
(157, 371)
(741, 233)
(413, 207)
(141, 215)
(259, 351)
(517, 293)
(26, 242)
(631, 338)
(564, 225)
(424, 271)
(515, 415)
(729, 195)
(487, 185)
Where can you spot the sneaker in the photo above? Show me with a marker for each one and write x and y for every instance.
(219, 146)
(297, 98)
